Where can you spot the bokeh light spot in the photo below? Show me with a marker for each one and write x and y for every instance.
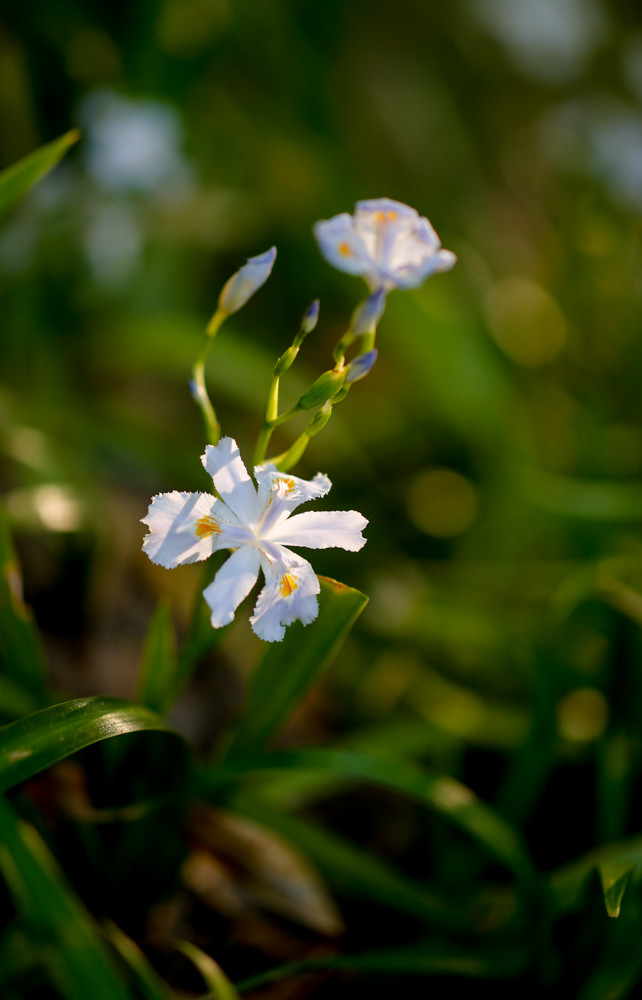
(582, 715)
(442, 503)
(525, 321)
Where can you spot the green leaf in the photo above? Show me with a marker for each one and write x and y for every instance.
(615, 877)
(201, 638)
(443, 794)
(218, 985)
(289, 668)
(567, 883)
(352, 871)
(425, 958)
(16, 180)
(22, 656)
(72, 950)
(36, 742)
(150, 984)
(158, 669)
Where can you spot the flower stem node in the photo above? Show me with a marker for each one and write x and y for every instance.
(325, 387)
(257, 523)
(386, 242)
(247, 280)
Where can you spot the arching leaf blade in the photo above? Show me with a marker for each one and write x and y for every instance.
(72, 949)
(289, 668)
(440, 792)
(34, 743)
(16, 180)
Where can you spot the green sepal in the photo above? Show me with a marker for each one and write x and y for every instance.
(325, 387)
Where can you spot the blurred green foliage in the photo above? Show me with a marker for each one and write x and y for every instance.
(496, 448)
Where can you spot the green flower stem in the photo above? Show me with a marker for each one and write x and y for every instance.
(287, 459)
(367, 342)
(270, 424)
(339, 353)
(271, 413)
(212, 426)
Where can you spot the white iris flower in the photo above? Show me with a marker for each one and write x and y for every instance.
(256, 522)
(386, 242)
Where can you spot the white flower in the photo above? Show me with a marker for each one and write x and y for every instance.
(256, 523)
(385, 242)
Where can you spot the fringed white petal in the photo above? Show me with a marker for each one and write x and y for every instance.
(232, 584)
(179, 528)
(323, 529)
(224, 463)
(287, 491)
(289, 595)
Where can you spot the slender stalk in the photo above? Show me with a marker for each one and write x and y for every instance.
(293, 454)
(212, 425)
(270, 424)
(339, 353)
(367, 342)
(271, 413)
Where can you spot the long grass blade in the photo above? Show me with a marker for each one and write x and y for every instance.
(34, 743)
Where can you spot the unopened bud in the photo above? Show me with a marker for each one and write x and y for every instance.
(367, 315)
(310, 317)
(285, 360)
(361, 365)
(247, 280)
(319, 420)
(322, 390)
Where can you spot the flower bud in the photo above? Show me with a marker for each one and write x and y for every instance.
(322, 390)
(247, 280)
(319, 420)
(310, 317)
(286, 360)
(361, 365)
(368, 313)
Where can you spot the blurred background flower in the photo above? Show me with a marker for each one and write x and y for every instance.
(496, 446)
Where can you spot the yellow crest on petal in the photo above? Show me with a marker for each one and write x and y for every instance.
(206, 526)
(288, 585)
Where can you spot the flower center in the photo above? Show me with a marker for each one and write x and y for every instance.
(285, 484)
(288, 585)
(345, 250)
(206, 526)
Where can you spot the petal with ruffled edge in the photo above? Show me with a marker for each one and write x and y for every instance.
(232, 584)
(341, 244)
(289, 489)
(224, 463)
(187, 527)
(279, 493)
(289, 595)
(323, 529)
(373, 211)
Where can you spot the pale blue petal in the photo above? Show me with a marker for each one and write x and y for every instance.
(247, 280)
(342, 246)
